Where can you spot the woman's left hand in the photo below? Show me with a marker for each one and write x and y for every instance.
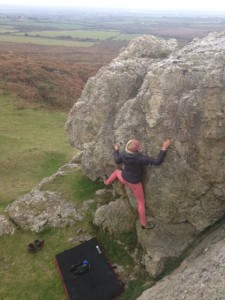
(116, 147)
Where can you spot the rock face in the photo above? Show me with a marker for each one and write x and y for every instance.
(200, 276)
(164, 244)
(117, 217)
(150, 92)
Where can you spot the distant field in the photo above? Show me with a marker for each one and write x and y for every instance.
(75, 34)
(43, 41)
(125, 37)
(67, 38)
(43, 24)
(5, 29)
(87, 28)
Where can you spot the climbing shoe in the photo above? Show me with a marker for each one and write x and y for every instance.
(149, 225)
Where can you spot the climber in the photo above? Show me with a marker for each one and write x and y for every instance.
(133, 170)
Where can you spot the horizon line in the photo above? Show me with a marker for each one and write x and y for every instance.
(61, 6)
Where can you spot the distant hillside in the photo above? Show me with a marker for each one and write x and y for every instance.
(50, 77)
(46, 57)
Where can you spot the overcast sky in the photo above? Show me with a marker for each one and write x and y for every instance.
(191, 5)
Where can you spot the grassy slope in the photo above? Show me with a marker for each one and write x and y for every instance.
(32, 145)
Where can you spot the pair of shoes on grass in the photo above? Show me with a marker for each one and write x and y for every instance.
(149, 225)
(35, 246)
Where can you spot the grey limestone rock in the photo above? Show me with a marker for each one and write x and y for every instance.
(39, 210)
(117, 217)
(201, 275)
(150, 92)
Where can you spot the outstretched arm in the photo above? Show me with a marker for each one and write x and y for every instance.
(157, 161)
(116, 154)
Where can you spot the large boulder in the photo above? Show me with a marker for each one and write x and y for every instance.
(150, 92)
(107, 99)
(39, 210)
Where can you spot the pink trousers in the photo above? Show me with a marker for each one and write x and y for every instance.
(137, 191)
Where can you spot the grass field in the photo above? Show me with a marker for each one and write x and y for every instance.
(32, 145)
(64, 38)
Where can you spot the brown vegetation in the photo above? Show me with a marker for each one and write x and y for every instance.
(50, 77)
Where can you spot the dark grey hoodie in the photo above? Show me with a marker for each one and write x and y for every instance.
(134, 164)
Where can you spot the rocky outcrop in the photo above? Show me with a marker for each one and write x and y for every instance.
(117, 217)
(38, 210)
(174, 239)
(200, 276)
(150, 92)
(41, 209)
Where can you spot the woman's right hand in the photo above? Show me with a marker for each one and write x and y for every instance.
(166, 144)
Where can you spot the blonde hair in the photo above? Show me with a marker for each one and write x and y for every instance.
(132, 146)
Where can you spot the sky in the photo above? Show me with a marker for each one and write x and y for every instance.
(188, 5)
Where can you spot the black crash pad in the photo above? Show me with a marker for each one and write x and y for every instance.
(98, 283)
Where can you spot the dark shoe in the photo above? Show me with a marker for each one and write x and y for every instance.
(31, 248)
(38, 244)
(150, 225)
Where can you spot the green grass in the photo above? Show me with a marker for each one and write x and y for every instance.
(75, 186)
(115, 251)
(33, 145)
(28, 276)
(34, 276)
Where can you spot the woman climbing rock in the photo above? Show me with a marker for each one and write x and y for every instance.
(133, 170)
